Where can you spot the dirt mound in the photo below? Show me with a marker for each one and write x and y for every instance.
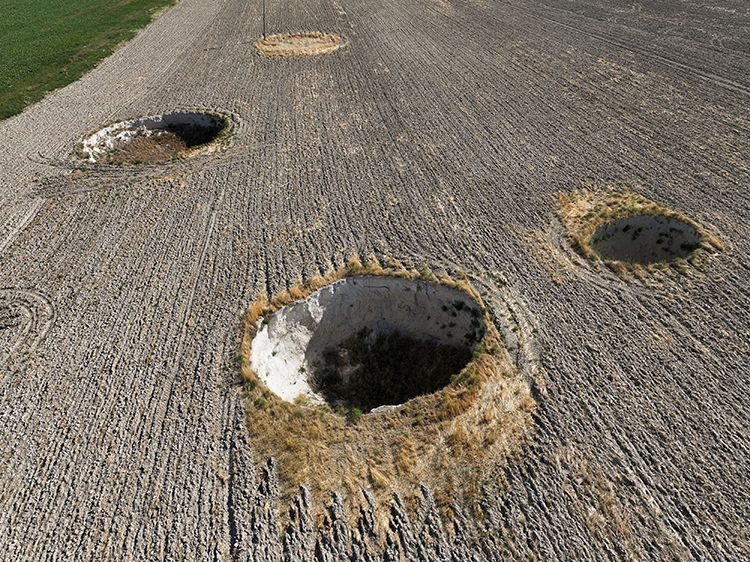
(299, 44)
(645, 239)
(153, 139)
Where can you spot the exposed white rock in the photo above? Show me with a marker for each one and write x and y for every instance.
(107, 139)
(289, 343)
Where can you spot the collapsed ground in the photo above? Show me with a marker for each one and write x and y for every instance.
(448, 419)
(441, 134)
(157, 139)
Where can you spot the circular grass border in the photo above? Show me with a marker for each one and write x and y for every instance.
(449, 440)
(583, 211)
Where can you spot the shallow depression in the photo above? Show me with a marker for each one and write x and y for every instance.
(367, 341)
(153, 139)
(645, 239)
(306, 43)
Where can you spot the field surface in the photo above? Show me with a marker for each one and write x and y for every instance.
(440, 134)
(47, 45)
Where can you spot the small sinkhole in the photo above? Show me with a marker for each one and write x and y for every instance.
(153, 139)
(645, 239)
(367, 341)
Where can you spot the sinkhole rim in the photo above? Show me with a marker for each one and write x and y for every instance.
(448, 440)
(586, 212)
(289, 347)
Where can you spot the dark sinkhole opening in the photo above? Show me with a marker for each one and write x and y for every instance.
(370, 370)
(153, 139)
(368, 341)
(645, 239)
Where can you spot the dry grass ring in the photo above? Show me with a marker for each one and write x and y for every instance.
(307, 43)
(629, 232)
(349, 385)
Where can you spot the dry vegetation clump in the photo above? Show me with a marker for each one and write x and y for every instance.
(450, 439)
(629, 232)
(301, 44)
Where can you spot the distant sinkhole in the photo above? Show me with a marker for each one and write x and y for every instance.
(645, 239)
(154, 139)
(367, 341)
(302, 44)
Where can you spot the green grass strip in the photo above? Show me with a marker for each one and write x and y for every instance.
(47, 44)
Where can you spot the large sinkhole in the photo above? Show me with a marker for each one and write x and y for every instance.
(367, 341)
(645, 239)
(153, 139)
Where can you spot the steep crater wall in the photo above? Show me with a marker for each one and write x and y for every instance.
(367, 341)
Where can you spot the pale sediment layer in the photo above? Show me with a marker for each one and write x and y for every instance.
(298, 347)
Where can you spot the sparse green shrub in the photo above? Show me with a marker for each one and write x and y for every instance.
(353, 416)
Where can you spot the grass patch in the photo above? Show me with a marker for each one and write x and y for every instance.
(307, 43)
(48, 45)
(451, 439)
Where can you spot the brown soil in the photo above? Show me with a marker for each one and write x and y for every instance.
(160, 146)
(9, 319)
(299, 44)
